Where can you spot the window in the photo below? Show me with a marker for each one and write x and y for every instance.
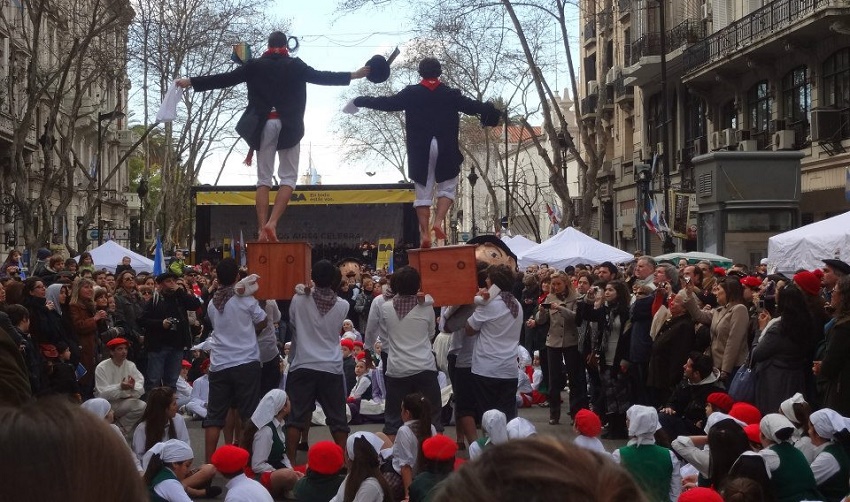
(797, 95)
(654, 120)
(695, 123)
(728, 116)
(769, 220)
(836, 79)
(759, 106)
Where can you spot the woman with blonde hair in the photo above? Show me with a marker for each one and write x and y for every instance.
(84, 318)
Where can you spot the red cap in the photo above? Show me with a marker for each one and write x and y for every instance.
(358, 344)
(205, 365)
(818, 273)
(588, 423)
(745, 412)
(229, 459)
(116, 342)
(753, 433)
(808, 282)
(720, 400)
(439, 447)
(751, 281)
(700, 494)
(347, 343)
(325, 457)
(719, 271)
(49, 351)
(186, 364)
(360, 356)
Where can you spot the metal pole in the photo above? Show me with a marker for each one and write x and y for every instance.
(507, 186)
(99, 182)
(668, 246)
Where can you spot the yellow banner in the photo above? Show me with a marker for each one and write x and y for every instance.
(311, 197)
(385, 254)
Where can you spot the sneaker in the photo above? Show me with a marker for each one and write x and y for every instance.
(213, 491)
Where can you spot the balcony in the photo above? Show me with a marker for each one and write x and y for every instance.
(606, 20)
(623, 94)
(688, 32)
(624, 8)
(644, 62)
(589, 107)
(760, 27)
(590, 31)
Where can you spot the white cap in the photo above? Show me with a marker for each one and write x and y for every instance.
(763, 261)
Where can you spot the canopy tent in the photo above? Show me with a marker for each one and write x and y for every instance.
(571, 247)
(806, 246)
(518, 244)
(109, 254)
(696, 257)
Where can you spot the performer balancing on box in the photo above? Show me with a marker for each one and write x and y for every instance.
(274, 119)
(432, 124)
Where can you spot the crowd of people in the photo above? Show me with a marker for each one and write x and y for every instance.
(724, 384)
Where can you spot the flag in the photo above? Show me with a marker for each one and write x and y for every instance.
(650, 216)
(243, 250)
(232, 247)
(158, 260)
(241, 53)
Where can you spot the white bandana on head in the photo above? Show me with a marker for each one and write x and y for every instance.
(376, 442)
(97, 406)
(717, 416)
(270, 405)
(493, 422)
(828, 423)
(787, 407)
(169, 451)
(772, 423)
(520, 428)
(643, 423)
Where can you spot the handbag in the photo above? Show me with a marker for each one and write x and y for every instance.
(743, 386)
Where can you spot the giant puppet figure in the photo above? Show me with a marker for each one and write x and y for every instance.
(432, 125)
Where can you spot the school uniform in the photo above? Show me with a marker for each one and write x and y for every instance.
(244, 489)
(793, 479)
(140, 438)
(831, 470)
(165, 487)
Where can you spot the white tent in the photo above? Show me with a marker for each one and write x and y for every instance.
(518, 244)
(109, 254)
(571, 247)
(806, 246)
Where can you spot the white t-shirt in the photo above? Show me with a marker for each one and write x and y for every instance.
(588, 443)
(374, 324)
(267, 341)
(234, 340)
(523, 383)
(408, 340)
(315, 337)
(495, 351)
(139, 437)
(370, 491)
(172, 490)
(406, 446)
(243, 489)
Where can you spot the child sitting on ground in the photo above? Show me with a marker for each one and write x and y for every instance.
(321, 482)
(588, 426)
(438, 452)
(494, 426)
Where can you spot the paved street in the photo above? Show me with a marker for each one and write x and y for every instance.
(538, 416)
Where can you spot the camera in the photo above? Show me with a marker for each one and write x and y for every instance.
(172, 323)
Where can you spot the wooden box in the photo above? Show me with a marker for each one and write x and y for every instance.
(280, 265)
(448, 273)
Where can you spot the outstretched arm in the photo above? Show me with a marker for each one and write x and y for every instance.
(394, 103)
(219, 81)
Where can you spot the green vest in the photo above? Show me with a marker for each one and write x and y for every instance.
(793, 480)
(319, 487)
(651, 467)
(423, 485)
(835, 487)
(164, 474)
(278, 448)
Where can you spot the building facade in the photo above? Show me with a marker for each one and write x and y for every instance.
(742, 75)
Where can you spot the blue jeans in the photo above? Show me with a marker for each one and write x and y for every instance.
(163, 368)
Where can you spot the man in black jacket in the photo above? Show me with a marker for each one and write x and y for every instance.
(432, 125)
(684, 414)
(167, 333)
(274, 119)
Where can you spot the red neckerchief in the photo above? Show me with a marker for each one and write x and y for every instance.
(430, 83)
(276, 50)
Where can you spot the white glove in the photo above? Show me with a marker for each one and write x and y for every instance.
(247, 286)
(350, 108)
(494, 291)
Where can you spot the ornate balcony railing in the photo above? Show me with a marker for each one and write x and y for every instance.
(647, 45)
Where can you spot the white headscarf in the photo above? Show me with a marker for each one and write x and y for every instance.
(53, 296)
(772, 423)
(169, 451)
(828, 423)
(493, 423)
(718, 416)
(97, 406)
(643, 423)
(270, 405)
(376, 442)
(520, 428)
(787, 407)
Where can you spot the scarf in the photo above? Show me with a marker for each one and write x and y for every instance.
(325, 299)
(283, 51)
(508, 298)
(221, 296)
(403, 304)
(430, 83)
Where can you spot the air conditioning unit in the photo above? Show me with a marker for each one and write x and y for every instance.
(700, 146)
(742, 135)
(783, 140)
(714, 141)
(592, 88)
(728, 137)
(748, 145)
(826, 124)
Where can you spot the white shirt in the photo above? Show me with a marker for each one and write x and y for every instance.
(675, 479)
(697, 457)
(408, 340)
(406, 447)
(362, 385)
(234, 340)
(263, 441)
(139, 438)
(184, 390)
(536, 378)
(374, 324)
(588, 443)
(315, 337)
(495, 351)
(523, 383)
(107, 380)
(266, 340)
(172, 490)
(370, 491)
(243, 489)
(201, 390)
(824, 467)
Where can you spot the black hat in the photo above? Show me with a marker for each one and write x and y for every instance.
(838, 265)
(379, 67)
(492, 239)
(165, 275)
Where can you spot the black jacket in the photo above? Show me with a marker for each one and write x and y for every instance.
(430, 114)
(164, 306)
(275, 81)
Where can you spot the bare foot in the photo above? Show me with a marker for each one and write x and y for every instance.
(439, 233)
(261, 237)
(268, 233)
(426, 243)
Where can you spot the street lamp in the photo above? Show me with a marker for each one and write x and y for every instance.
(115, 114)
(142, 191)
(472, 178)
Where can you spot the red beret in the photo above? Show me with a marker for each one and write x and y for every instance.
(325, 457)
(700, 494)
(745, 412)
(205, 365)
(753, 433)
(818, 273)
(720, 400)
(808, 282)
(185, 364)
(347, 343)
(751, 281)
(358, 344)
(49, 351)
(116, 342)
(229, 459)
(588, 423)
(719, 271)
(439, 447)
(360, 356)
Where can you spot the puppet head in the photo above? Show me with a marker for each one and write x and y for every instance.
(350, 270)
(490, 250)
